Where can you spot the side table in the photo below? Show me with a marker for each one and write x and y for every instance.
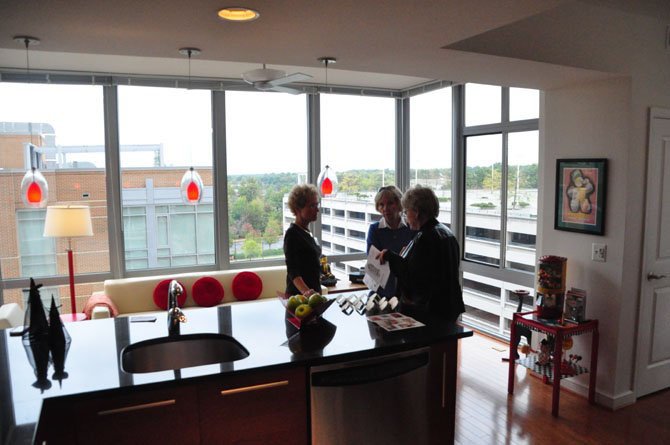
(553, 371)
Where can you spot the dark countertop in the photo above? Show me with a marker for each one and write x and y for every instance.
(93, 359)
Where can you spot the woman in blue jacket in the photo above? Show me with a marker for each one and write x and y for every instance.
(390, 232)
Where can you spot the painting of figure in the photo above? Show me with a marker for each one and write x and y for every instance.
(580, 195)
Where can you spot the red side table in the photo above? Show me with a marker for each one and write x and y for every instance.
(553, 371)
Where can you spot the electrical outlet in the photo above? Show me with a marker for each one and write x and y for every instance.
(599, 252)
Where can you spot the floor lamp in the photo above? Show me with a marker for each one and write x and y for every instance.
(69, 221)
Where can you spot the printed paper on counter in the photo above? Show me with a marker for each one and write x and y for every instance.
(376, 273)
(395, 321)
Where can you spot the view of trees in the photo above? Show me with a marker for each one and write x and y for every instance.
(255, 201)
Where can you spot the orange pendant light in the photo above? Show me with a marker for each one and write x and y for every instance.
(34, 189)
(327, 182)
(191, 187)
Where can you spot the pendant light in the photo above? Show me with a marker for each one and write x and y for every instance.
(327, 181)
(191, 187)
(191, 183)
(34, 187)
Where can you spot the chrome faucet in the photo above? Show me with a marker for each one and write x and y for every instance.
(174, 315)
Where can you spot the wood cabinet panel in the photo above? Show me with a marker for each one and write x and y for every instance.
(260, 408)
(157, 416)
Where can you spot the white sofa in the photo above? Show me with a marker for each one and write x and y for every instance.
(11, 315)
(135, 295)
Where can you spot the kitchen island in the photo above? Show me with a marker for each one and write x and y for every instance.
(263, 398)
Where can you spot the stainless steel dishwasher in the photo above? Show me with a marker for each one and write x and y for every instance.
(382, 400)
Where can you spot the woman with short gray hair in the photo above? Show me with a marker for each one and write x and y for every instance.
(428, 269)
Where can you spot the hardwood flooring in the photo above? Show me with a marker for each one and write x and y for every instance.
(485, 414)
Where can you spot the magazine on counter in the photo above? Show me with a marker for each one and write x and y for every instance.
(395, 321)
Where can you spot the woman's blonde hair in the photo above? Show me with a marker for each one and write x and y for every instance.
(299, 195)
(389, 190)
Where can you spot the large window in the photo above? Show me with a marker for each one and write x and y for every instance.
(430, 145)
(266, 146)
(483, 161)
(162, 133)
(358, 142)
(500, 205)
(59, 129)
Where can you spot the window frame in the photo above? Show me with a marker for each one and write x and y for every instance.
(217, 88)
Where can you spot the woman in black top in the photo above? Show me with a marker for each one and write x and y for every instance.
(301, 250)
(428, 268)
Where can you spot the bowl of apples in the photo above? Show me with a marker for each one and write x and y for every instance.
(302, 310)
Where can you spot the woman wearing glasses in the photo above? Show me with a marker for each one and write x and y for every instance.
(390, 232)
(428, 269)
(301, 250)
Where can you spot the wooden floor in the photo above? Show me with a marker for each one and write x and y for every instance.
(485, 414)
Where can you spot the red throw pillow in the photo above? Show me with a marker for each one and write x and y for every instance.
(207, 292)
(161, 294)
(247, 286)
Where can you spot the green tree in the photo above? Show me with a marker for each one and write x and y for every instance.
(250, 188)
(251, 248)
(492, 180)
(273, 231)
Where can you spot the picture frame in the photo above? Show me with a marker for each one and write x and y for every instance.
(581, 192)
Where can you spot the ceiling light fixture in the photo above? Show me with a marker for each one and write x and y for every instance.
(238, 14)
(325, 61)
(34, 187)
(188, 51)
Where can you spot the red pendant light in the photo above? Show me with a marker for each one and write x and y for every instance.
(34, 189)
(191, 187)
(327, 182)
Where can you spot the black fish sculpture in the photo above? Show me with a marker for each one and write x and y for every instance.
(59, 343)
(35, 338)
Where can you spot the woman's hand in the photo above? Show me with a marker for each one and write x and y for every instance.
(381, 256)
(308, 293)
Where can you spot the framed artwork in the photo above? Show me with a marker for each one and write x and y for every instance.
(581, 188)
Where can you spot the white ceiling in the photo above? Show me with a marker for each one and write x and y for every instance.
(392, 43)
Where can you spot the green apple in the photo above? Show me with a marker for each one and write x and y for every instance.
(315, 300)
(303, 311)
(295, 301)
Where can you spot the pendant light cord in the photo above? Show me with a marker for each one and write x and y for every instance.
(190, 51)
(26, 41)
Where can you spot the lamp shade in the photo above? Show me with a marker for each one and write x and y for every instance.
(68, 221)
(327, 182)
(34, 189)
(191, 187)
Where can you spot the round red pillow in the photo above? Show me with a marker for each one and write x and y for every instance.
(247, 286)
(207, 292)
(161, 294)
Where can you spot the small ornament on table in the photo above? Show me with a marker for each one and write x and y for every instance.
(35, 338)
(59, 343)
(544, 356)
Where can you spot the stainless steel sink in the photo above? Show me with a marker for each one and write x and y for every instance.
(182, 351)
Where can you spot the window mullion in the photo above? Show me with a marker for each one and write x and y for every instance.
(503, 200)
(113, 182)
(220, 180)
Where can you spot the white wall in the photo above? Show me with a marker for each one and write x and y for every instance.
(591, 121)
(610, 119)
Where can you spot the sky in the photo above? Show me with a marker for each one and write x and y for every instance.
(267, 132)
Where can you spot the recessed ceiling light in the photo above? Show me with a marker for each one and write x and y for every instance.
(238, 14)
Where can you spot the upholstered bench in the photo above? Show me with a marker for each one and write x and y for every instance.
(11, 315)
(136, 295)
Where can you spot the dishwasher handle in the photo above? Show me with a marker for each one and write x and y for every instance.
(373, 372)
